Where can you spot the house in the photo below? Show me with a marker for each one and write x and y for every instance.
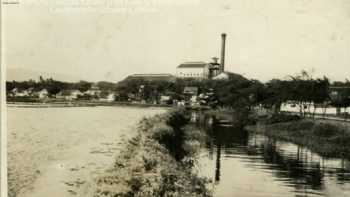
(63, 94)
(75, 94)
(165, 99)
(12, 93)
(191, 93)
(69, 94)
(43, 94)
(109, 97)
(190, 90)
(196, 70)
(93, 91)
(30, 91)
(18, 93)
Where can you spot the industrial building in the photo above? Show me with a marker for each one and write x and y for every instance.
(203, 70)
(198, 70)
(194, 70)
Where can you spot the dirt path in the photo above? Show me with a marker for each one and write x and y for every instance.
(57, 152)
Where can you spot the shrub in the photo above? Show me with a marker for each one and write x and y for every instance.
(177, 118)
(326, 130)
(302, 125)
(162, 133)
(149, 163)
(277, 118)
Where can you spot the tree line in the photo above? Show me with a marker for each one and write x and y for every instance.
(302, 90)
(54, 86)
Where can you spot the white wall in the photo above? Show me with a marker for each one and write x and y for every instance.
(192, 72)
(330, 110)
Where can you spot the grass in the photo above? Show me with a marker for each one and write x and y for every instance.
(277, 118)
(327, 139)
(155, 164)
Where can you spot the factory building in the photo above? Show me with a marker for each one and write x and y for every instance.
(203, 70)
(197, 70)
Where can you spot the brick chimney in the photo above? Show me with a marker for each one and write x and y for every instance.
(222, 59)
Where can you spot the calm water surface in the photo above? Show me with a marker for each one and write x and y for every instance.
(242, 164)
(57, 152)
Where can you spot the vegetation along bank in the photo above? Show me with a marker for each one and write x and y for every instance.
(157, 162)
(327, 138)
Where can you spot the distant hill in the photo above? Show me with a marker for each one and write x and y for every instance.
(21, 74)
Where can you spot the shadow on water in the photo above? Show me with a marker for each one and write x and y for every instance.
(288, 169)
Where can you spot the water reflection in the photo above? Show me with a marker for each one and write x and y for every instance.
(247, 164)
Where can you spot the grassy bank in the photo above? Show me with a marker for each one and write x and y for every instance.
(157, 162)
(330, 139)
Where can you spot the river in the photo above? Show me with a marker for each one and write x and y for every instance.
(243, 164)
(57, 152)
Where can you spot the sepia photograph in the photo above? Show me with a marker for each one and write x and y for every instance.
(175, 98)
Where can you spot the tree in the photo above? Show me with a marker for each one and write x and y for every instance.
(340, 95)
(82, 86)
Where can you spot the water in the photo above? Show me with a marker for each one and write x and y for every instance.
(253, 165)
(58, 152)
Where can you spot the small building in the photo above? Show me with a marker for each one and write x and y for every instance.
(30, 91)
(13, 92)
(76, 93)
(196, 70)
(214, 68)
(43, 94)
(94, 91)
(190, 90)
(69, 94)
(191, 95)
(19, 93)
(109, 97)
(164, 99)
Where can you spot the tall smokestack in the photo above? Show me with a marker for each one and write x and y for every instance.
(222, 60)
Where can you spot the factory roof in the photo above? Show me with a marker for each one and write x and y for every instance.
(192, 65)
(152, 77)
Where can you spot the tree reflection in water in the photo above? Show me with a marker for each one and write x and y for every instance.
(291, 165)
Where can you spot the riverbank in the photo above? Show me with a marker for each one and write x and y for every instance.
(325, 137)
(157, 162)
(80, 104)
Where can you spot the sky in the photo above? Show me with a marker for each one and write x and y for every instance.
(108, 40)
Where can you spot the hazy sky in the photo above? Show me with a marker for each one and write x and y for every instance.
(110, 39)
